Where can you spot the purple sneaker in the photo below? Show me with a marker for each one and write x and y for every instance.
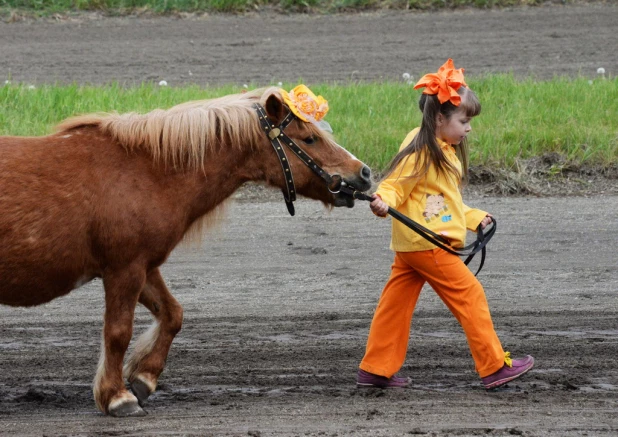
(366, 379)
(511, 370)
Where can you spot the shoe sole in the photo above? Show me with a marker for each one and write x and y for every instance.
(501, 382)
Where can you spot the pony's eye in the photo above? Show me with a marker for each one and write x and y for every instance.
(309, 140)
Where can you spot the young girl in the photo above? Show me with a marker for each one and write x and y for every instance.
(422, 182)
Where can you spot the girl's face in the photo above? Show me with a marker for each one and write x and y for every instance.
(454, 129)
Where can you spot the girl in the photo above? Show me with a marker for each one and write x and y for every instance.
(422, 182)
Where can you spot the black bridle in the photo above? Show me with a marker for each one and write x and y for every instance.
(278, 138)
(336, 184)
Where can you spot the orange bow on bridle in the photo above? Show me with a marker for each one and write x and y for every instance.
(444, 83)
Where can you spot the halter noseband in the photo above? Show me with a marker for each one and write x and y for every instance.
(277, 138)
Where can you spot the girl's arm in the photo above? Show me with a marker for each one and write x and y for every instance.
(396, 188)
(476, 217)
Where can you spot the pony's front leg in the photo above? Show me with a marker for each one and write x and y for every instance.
(122, 289)
(152, 347)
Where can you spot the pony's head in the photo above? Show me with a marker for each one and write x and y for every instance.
(318, 151)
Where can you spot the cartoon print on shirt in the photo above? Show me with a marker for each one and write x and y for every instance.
(435, 207)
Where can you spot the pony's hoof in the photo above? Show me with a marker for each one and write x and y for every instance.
(140, 390)
(127, 409)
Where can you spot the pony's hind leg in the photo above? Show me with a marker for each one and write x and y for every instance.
(122, 290)
(150, 353)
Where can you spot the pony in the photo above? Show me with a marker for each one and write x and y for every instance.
(110, 195)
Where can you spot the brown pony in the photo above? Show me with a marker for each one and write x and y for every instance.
(109, 196)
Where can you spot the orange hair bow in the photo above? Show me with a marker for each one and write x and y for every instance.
(444, 83)
(304, 104)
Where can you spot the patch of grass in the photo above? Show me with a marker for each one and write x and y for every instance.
(122, 7)
(574, 118)
(520, 119)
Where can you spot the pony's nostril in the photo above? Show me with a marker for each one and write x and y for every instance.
(366, 172)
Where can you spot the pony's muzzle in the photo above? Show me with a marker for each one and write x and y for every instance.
(360, 182)
(366, 174)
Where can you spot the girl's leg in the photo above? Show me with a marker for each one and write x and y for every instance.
(390, 329)
(464, 295)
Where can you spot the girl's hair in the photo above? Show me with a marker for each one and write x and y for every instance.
(425, 140)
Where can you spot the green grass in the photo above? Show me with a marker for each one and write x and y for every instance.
(575, 118)
(120, 7)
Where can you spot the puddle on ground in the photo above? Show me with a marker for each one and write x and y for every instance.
(578, 334)
(602, 386)
(437, 334)
(290, 338)
(12, 345)
(280, 338)
(44, 341)
(536, 370)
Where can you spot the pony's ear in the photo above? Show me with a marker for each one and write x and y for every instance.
(275, 109)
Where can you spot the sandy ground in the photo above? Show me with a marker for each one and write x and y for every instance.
(266, 49)
(277, 314)
(277, 308)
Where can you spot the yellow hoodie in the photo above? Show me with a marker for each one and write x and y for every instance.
(434, 202)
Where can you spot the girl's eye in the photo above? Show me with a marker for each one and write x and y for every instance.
(309, 140)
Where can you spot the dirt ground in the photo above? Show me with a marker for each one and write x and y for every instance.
(277, 308)
(265, 49)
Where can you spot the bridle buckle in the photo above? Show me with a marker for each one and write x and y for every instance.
(274, 133)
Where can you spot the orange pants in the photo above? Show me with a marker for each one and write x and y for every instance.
(457, 287)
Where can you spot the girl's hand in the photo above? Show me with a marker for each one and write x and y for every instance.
(378, 206)
(486, 221)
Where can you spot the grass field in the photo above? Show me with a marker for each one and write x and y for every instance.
(520, 119)
(121, 7)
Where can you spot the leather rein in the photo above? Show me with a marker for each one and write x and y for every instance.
(336, 184)
(479, 245)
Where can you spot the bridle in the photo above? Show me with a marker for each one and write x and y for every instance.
(336, 184)
(278, 138)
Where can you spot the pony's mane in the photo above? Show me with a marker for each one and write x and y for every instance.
(181, 136)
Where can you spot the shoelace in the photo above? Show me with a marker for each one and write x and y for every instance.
(507, 359)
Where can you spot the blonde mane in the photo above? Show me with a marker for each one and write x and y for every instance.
(181, 136)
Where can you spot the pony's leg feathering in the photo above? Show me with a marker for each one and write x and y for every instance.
(122, 289)
(151, 349)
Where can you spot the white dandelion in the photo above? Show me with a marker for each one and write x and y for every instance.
(406, 76)
(163, 83)
(601, 70)
(31, 87)
(245, 86)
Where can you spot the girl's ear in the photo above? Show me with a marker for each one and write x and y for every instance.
(439, 119)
